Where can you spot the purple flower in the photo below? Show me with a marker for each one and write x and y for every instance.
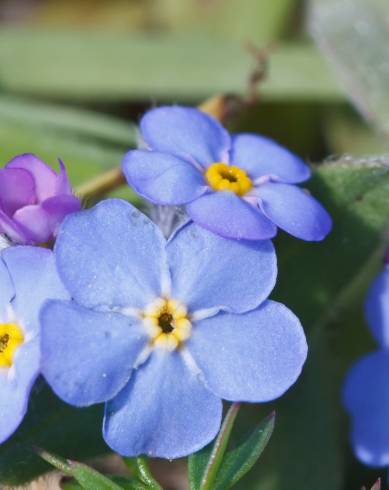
(366, 388)
(28, 277)
(237, 186)
(33, 200)
(163, 330)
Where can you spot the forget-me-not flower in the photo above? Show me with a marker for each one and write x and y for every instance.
(33, 200)
(27, 278)
(238, 186)
(163, 330)
(366, 389)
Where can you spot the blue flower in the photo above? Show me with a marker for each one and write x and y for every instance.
(238, 186)
(366, 388)
(162, 331)
(27, 278)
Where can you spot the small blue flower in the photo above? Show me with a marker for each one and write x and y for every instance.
(27, 278)
(163, 330)
(238, 186)
(366, 388)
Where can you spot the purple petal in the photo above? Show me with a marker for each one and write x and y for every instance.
(377, 308)
(63, 184)
(164, 411)
(58, 207)
(45, 178)
(294, 210)
(366, 398)
(261, 156)
(186, 133)
(226, 214)
(35, 221)
(17, 189)
(163, 178)
(13, 230)
(254, 357)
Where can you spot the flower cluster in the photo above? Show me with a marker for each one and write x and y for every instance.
(366, 389)
(159, 329)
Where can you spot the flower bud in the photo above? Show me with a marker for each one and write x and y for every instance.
(33, 200)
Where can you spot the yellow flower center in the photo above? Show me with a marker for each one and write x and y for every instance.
(11, 337)
(223, 177)
(167, 323)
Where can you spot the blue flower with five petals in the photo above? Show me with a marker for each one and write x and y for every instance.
(366, 388)
(28, 277)
(163, 330)
(237, 186)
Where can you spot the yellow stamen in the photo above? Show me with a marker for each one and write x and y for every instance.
(11, 336)
(167, 323)
(223, 177)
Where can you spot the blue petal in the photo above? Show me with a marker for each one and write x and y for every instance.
(15, 387)
(35, 278)
(261, 156)
(208, 271)
(6, 288)
(88, 356)
(164, 411)
(163, 178)
(377, 308)
(295, 211)
(366, 397)
(226, 214)
(252, 357)
(111, 255)
(186, 133)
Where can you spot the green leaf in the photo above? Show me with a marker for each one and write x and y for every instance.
(123, 482)
(242, 458)
(357, 55)
(323, 284)
(213, 468)
(167, 67)
(56, 426)
(204, 465)
(140, 468)
(78, 123)
(87, 477)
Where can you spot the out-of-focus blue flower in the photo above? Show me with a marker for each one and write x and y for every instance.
(366, 389)
(27, 278)
(33, 200)
(239, 186)
(163, 331)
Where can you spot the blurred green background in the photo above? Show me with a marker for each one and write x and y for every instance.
(75, 76)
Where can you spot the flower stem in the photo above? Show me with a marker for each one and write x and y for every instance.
(140, 468)
(100, 185)
(219, 448)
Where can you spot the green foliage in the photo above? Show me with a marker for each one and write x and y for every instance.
(87, 477)
(232, 465)
(168, 67)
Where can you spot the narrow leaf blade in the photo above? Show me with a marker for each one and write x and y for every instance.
(242, 458)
